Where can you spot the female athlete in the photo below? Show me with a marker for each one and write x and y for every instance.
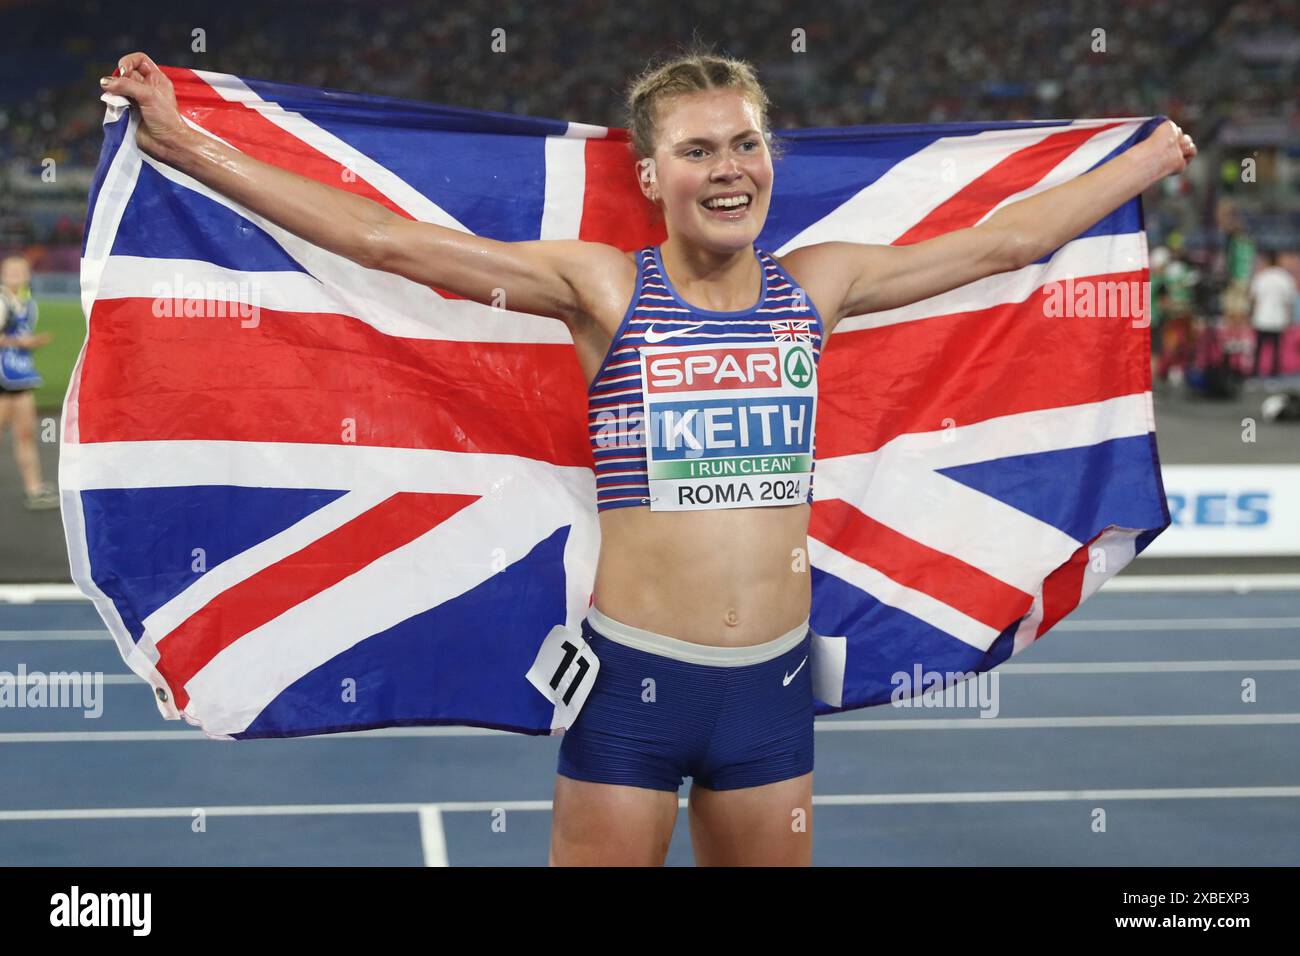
(19, 378)
(701, 608)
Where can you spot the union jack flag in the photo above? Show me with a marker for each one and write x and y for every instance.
(310, 497)
(792, 331)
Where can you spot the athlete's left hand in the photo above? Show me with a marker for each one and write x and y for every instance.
(1172, 148)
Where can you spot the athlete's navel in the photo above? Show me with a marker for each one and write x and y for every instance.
(731, 617)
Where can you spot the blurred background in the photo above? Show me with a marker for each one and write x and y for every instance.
(1225, 71)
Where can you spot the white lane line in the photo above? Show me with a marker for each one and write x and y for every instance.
(433, 839)
(71, 677)
(825, 725)
(488, 806)
(1182, 624)
(188, 736)
(1035, 796)
(1007, 670)
(1144, 667)
(37, 636)
(1059, 723)
(1241, 583)
(309, 809)
(27, 593)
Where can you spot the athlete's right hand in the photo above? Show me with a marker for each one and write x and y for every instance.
(140, 80)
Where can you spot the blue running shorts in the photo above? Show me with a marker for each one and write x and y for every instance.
(662, 709)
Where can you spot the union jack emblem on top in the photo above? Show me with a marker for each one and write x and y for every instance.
(301, 476)
(792, 330)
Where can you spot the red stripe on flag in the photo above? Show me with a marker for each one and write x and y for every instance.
(274, 590)
(961, 586)
(1063, 588)
(324, 379)
(953, 370)
(613, 209)
(1012, 175)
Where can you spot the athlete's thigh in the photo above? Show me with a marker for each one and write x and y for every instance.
(603, 824)
(7, 404)
(24, 415)
(770, 825)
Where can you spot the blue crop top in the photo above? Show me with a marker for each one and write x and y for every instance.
(725, 391)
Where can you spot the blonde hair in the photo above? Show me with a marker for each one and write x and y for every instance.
(693, 71)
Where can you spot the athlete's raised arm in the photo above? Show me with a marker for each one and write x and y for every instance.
(541, 277)
(852, 278)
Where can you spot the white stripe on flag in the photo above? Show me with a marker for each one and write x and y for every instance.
(110, 204)
(916, 185)
(899, 485)
(164, 464)
(106, 215)
(137, 277)
(1078, 162)
(217, 578)
(1027, 433)
(566, 180)
(523, 501)
(949, 517)
(888, 591)
(446, 562)
(390, 303)
(1027, 632)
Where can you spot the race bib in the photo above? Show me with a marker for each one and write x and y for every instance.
(564, 671)
(727, 425)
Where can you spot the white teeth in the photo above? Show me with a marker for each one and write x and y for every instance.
(729, 203)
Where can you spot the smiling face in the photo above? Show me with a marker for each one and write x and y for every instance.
(710, 147)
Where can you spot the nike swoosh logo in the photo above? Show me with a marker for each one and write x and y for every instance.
(790, 677)
(652, 336)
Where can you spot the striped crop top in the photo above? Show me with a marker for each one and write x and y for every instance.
(730, 411)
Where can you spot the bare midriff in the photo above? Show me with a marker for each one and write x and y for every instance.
(726, 577)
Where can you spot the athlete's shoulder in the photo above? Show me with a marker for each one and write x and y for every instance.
(584, 263)
(598, 255)
(802, 264)
(808, 266)
(604, 278)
